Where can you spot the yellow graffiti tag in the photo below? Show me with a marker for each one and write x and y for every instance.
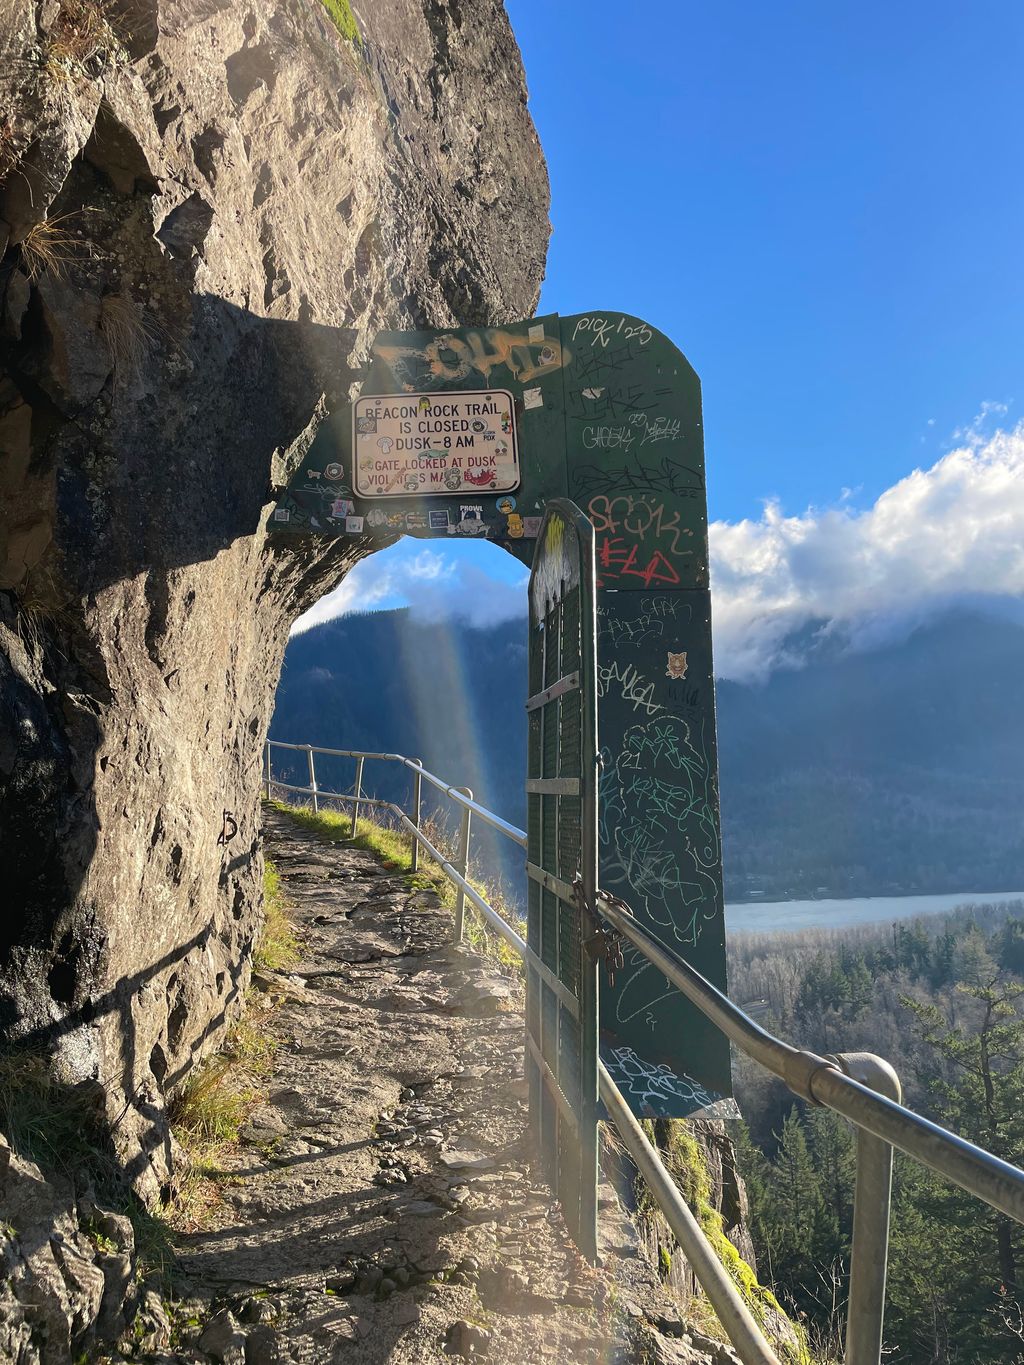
(453, 359)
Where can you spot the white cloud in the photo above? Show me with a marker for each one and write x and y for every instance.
(434, 587)
(351, 594)
(951, 531)
(438, 589)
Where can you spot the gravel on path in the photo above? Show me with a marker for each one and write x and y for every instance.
(383, 1205)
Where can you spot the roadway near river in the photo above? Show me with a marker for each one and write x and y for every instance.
(768, 917)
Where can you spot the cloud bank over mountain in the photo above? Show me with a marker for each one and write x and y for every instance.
(434, 586)
(951, 532)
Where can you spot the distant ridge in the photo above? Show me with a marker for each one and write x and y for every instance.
(891, 771)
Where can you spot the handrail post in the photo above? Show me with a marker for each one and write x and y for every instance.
(462, 865)
(266, 751)
(869, 1249)
(417, 794)
(312, 777)
(358, 794)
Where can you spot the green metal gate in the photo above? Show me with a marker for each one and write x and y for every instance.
(561, 785)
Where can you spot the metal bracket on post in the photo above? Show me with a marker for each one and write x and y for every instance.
(417, 794)
(358, 794)
(312, 777)
(462, 864)
(869, 1251)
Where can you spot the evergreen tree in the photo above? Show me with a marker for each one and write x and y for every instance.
(984, 1097)
(793, 1209)
(832, 1149)
(1009, 947)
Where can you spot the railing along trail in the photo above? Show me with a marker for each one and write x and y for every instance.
(862, 1088)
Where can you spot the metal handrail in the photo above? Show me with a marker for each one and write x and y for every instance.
(821, 1081)
(457, 794)
(862, 1088)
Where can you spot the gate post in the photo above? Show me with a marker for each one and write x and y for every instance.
(869, 1245)
(417, 793)
(358, 794)
(312, 777)
(462, 865)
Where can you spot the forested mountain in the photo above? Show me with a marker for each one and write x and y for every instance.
(386, 682)
(943, 1000)
(898, 769)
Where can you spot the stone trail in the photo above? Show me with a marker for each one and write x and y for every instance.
(383, 1206)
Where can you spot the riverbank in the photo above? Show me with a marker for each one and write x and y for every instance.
(768, 917)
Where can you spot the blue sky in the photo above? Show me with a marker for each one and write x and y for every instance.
(823, 206)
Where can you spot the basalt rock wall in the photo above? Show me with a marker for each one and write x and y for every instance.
(207, 210)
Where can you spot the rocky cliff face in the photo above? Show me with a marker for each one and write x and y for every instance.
(207, 210)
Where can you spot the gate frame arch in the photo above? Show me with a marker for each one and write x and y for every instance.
(608, 413)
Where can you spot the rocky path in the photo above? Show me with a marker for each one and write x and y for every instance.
(382, 1207)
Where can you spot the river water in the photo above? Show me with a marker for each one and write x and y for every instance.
(772, 917)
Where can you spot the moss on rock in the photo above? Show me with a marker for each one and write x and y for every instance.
(340, 12)
(686, 1162)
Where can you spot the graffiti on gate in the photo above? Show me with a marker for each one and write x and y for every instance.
(603, 409)
(459, 358)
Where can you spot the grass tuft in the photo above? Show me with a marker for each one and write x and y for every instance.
(83, 42)
(341, 16)
(206, 1117)
(213, 1103)
(278, 947)
(48, 246)
(8, 145)
(210, 1108)
(59, 1127)
(127, 334)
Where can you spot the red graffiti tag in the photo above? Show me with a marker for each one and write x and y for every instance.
(614, 555)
